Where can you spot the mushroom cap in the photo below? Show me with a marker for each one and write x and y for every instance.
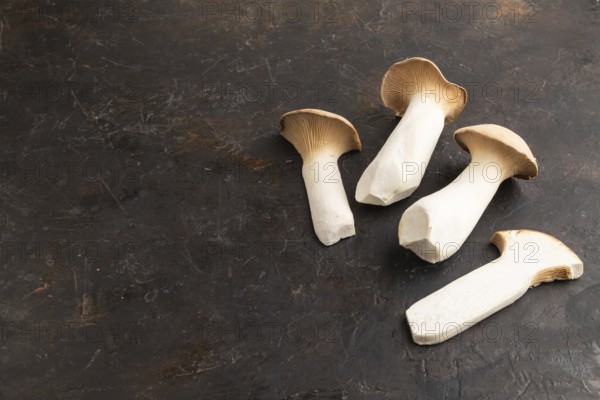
(314, 131)
(540, 249)
(502, 142)
(411, 77)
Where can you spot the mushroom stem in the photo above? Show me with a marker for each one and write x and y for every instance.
(398, 168)
(330, 211)
(436, 226)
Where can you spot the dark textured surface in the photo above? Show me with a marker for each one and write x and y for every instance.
(156, 238)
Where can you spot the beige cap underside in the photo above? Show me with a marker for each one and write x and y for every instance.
(311, 130)
(421, 77)
(501, 140)
(562, 263)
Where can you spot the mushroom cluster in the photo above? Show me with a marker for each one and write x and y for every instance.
(436, 226)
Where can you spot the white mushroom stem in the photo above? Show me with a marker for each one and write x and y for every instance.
(398, 168)
(436, 226)
(528, 259)
(330, 211)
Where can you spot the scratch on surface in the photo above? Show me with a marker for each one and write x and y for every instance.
(188, 256)
(596, 352)
(213, 65)
(36, 291)
(112, 195)
(460, 385)
(143, 120)
(196, 371)
(558, 58)
(585, 163)
(360, 23)
(94, 356)
(382, 14)
(522, 392)
(297, 291)
(85, 114)
(136, 67)
(75, 280)
(3, 23)
(269, 69)
(238, 70)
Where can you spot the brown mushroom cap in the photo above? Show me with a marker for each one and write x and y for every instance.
(412, 77)
(566, 264)
(311, 131)
(505, 144)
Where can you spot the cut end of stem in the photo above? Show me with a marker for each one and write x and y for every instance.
(382, 199)
(414, 234)
(427, 332)
(382, 184)
(335, 233)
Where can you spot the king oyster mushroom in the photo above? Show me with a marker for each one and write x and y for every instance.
(321, 138)
(418, 92)
(436, 226)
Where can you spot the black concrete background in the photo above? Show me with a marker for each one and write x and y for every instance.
(156, 237)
